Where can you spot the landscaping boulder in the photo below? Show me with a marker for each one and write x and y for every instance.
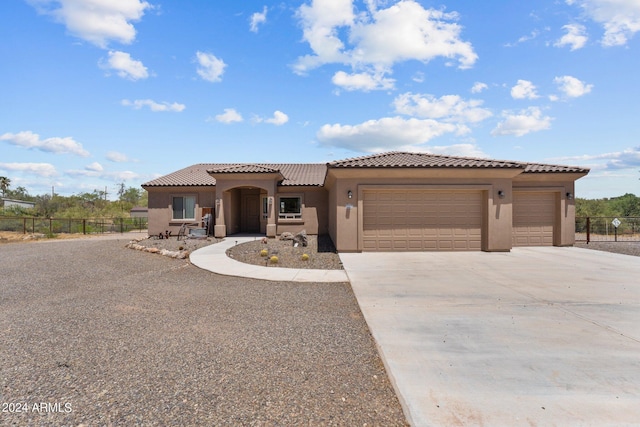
(286, 236)
(301, 238)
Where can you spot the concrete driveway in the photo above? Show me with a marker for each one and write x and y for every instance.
(534, 337)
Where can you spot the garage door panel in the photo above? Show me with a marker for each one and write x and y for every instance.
(534, 217)
(428, 220)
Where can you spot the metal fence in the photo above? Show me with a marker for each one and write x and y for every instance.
(52, 226)
(607, 229)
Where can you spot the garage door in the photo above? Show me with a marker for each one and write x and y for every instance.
(534, 217)
(421, 220)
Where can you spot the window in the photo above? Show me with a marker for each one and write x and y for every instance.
(265, 207)
(290, 207)
(184, 207)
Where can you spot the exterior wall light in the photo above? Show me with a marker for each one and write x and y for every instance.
(270, 201)
(501, 194)
(569, 196)
(349, 194)
(217, 203)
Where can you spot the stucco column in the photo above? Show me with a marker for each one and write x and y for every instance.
(271, 219)
(220, 229)
(497, 229)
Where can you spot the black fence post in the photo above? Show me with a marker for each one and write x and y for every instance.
(588, 229)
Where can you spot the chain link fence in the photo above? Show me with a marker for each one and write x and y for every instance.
(50, 226)
(604, 229)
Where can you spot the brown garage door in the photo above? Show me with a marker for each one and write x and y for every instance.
(534, 217)
(422, 220)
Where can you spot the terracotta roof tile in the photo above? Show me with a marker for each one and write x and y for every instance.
(313, 174)
(544, 168)
(244, 168)
(307, 174)
(396, 159)
(191, 176)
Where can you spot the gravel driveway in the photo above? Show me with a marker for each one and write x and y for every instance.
(95, 334)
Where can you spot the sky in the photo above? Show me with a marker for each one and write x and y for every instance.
(94, 93)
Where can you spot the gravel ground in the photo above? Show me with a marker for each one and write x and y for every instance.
(95, 334)
(322, 253)
(626, 248)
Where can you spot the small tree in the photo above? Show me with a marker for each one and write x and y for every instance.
(5, 183)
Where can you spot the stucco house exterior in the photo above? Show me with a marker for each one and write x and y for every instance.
(393, 201)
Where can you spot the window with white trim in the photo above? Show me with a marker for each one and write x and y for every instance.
(184, 207)
(290, 207)
(265, 207)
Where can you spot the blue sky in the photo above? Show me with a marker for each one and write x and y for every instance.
(98, 92)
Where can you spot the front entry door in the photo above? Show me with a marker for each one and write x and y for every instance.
(250, 217)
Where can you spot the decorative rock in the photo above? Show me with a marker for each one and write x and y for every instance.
(301, 238)
(286, 236)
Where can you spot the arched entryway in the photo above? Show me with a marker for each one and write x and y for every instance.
(246, 210)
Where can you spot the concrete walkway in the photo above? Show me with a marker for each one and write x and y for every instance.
(534, 337)
(214, 258)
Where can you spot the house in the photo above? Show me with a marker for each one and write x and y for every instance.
(393, 201)
(8, 203)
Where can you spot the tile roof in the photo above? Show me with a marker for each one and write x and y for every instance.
(307, 174)
(396, 159)
(313, 174)
(246, 168)
(544, 168)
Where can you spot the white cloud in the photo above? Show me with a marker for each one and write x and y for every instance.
(626, 159)
(572, 87)
(230, 115)
(372, 41)
(95, 166)
(92, 171)
(320, 22)
(362, 81)
(522, 123)
(257, 19)
(56, 145)
(279, 118)
(449, 108)
(620, 18)
(531, 36)
(575, 37)
(210, 68)
(524, 89)
(407, 31)
(117, 157)
(125, 66)
(153, 105)
(479, 87)
(96, 21)
(388, 133)
(40, 169)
